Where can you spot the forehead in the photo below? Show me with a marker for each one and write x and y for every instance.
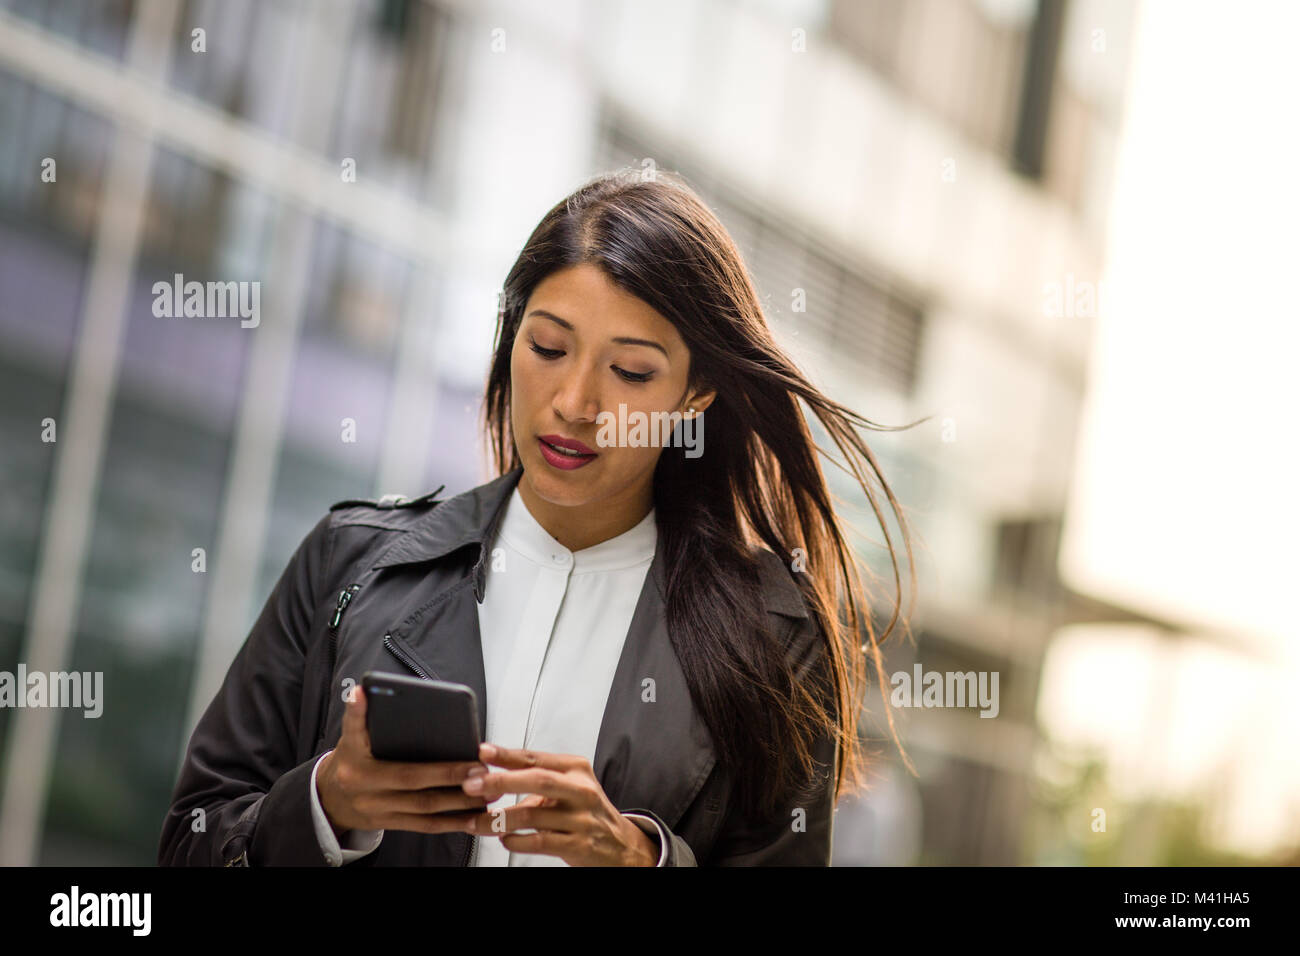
(588, 299)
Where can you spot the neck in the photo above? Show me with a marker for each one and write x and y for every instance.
(584, 526)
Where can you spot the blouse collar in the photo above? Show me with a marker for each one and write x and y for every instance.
(524, 533)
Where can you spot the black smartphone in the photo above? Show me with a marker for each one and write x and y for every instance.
(409, 718)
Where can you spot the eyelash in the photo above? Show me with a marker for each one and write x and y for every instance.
(636, 378)
(546, 353)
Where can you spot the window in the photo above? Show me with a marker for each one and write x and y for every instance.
(857, 316)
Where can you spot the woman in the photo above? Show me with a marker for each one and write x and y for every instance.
(669, 633)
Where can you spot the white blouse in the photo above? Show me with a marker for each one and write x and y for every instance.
(552, 625)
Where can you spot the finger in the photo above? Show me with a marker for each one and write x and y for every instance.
(551, 844)
(354, 717)
(431, 800)
(519, 759)
(547, 783)
(425, 822)
(532, 800)
(408, 775)
(509, 819)
(482, 822)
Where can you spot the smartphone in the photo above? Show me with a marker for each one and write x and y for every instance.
(409, 718)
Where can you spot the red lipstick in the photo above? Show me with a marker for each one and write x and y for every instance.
(564, 453)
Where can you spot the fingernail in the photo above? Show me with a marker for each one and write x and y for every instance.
(476, 771)
(487, 751)
(473, 784)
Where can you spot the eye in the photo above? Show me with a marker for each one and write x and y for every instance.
(637, 377)
(545, 353)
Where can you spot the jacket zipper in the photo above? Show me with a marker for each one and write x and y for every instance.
(406, 658)
(345, 598)
(410, 662)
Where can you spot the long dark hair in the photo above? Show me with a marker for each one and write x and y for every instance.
(759, 482)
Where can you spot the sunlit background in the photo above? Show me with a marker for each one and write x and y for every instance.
(1061, 231)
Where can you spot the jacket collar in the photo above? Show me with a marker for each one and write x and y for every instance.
(471, 517)
(474, 516)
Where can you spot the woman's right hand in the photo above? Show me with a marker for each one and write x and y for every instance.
(358, 792)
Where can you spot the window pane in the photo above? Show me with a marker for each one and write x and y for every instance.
(159, 497)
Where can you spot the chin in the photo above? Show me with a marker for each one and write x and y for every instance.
(558, 488)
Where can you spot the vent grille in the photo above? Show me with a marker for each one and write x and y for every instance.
(855, 317)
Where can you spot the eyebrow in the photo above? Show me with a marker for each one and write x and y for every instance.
(621, 340)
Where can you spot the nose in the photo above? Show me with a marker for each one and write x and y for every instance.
(577, 399)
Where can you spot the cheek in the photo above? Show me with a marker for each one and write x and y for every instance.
(662, 396)
(523, 384)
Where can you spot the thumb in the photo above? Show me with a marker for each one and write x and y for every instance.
(354, 717)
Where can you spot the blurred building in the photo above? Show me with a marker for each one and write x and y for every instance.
(909, 180)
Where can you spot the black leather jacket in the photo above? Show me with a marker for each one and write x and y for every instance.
(393, 585)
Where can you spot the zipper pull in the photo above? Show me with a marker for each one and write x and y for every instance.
(345, 597)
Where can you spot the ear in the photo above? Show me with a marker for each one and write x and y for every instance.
(698, 401)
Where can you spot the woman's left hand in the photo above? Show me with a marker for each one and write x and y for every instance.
(572, 815)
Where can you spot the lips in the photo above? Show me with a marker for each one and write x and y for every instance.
(565, 453)
(568, 444)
